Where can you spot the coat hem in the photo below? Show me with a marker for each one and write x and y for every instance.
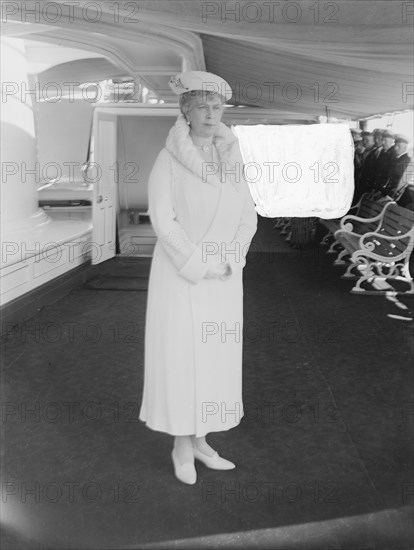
(213, 429)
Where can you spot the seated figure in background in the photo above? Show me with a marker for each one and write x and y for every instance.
(401, 171)
(368, 143)
(385, 160)
(358, 159)
(372, 142)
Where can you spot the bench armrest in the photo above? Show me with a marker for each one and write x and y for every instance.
(347, 226)
(355, 206)
(358, 204)
(372, 234)
(346, 232)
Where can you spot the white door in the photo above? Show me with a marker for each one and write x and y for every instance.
(104, 174)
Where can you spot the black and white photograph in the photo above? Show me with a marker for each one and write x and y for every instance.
(206, 277)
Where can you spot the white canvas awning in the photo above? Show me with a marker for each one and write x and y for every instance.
(349, 59)
(354, 57)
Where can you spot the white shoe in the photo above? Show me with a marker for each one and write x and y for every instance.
(214, 462)
(184, 472)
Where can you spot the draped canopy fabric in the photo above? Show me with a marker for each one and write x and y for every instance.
(348, 58)
(298, 171)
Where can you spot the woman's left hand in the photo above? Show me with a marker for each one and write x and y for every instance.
(219, 270)
(227, 271)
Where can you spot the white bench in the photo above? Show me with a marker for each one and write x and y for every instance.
(382, 252)
(366, 208)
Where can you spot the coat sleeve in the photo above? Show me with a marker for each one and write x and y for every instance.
(396, 180)
(236, 250)
(186, 256)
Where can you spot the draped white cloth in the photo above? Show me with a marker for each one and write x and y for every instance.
(299, 171)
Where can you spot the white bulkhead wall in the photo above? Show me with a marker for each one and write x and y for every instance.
(35, 248)
(19, 202)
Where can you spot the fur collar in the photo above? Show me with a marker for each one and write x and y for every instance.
(181, 146)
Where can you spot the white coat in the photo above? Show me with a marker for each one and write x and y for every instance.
(193, 337)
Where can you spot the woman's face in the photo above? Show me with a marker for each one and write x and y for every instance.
(204, 115)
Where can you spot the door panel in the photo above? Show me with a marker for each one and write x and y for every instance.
(104, 160)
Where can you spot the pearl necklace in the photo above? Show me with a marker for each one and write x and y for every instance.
(204, 148)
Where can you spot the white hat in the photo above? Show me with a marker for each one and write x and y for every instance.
(200, 80)
(401, 138)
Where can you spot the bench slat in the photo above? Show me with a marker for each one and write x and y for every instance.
(396, 221)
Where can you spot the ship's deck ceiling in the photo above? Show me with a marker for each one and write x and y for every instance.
(352, 57)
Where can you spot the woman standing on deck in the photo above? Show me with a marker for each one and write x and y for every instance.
(204, 218)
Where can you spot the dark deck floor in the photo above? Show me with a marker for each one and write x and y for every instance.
(324, 452)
